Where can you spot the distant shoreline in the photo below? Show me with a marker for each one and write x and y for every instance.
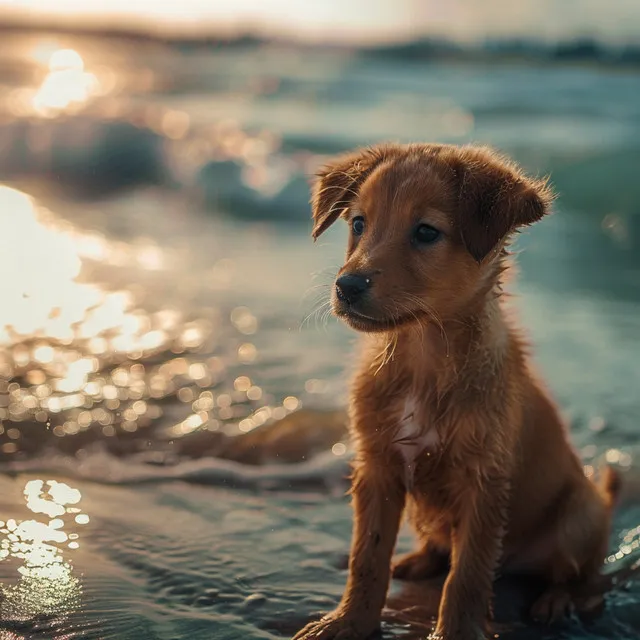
(579, 50)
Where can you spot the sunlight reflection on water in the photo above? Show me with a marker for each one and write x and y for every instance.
(67, 85)
(59, 330)
(43, 295)
(47, 585)
(81, 359)
(62, 86)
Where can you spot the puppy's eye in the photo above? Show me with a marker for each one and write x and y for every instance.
(357, 226)
(426, 234)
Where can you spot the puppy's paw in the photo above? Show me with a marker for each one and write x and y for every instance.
(459, 625)
(337, 626)
(419, 565)
(553, 605)
(459, 633)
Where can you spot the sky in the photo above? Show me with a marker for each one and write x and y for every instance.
(352, 20)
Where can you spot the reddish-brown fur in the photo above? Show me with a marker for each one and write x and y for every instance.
(450, 424)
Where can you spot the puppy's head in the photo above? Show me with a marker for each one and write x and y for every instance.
(427, 226)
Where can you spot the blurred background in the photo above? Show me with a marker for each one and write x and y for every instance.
(172, 434)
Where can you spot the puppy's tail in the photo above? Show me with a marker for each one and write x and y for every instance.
(609, 485)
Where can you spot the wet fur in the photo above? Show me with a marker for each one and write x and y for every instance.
(491, 482)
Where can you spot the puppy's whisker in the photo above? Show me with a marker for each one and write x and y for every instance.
(319, 300)
(416, 326)
(318, 289)
(422, 305)
(322, 317)
(322, 292)
(325, 316)
(318, 308)
(386, 355)
(328, 271)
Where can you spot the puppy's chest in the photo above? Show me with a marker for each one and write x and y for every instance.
(415, 437)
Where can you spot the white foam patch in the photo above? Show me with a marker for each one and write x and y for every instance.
(325, 471)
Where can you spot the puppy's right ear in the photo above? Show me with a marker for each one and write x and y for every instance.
(338, 182)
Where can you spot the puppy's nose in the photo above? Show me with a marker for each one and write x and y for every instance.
(351, 286)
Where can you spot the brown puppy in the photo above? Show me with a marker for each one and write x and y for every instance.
(449, 422)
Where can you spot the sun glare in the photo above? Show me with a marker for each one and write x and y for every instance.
(43, 297)
(67, 85)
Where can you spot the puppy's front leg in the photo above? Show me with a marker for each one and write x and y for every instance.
(378, 502)
(476, 547)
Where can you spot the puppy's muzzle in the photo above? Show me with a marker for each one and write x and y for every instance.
(350, 287)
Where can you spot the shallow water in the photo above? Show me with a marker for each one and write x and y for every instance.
(159, 293)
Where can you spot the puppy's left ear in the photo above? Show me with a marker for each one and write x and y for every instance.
(496, 198)
(338, 183)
